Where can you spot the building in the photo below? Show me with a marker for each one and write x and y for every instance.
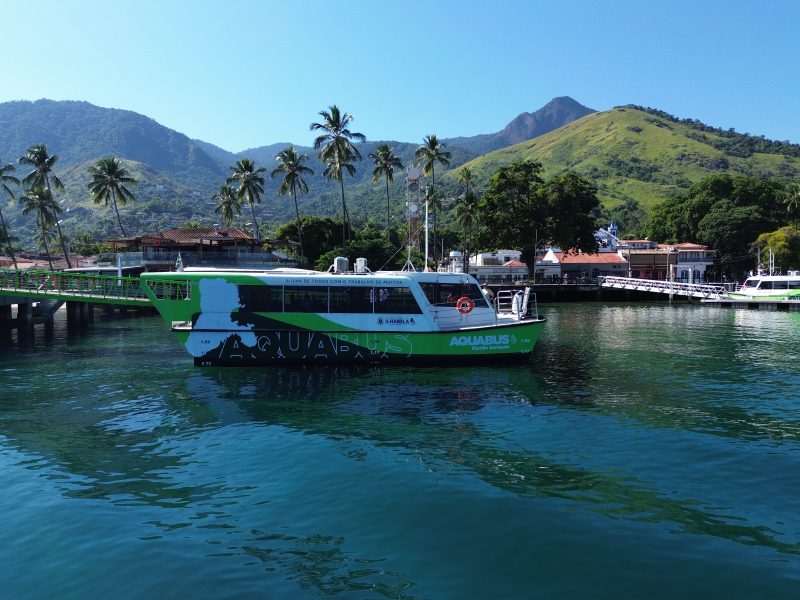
(693, 261)
(686, 262)
(207, 246)
(579, 266)
(498, 267)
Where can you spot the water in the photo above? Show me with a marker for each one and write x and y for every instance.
(647, 451)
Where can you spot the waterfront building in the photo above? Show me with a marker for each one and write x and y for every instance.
(498, 267)
(686, 262)
(578, 266)
(207, 246)
(693, 261)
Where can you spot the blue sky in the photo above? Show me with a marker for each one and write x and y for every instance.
(241, 74)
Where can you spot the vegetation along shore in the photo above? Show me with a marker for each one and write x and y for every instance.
(75, 175)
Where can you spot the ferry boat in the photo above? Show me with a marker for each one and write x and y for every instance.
(769, 287)
(240, 317)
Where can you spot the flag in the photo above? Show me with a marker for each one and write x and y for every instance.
(179, 263)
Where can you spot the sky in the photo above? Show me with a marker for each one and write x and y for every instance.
(244, 73)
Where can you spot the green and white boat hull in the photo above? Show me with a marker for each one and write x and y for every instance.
(211, 315)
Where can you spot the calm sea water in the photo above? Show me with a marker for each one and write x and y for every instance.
(646, 451)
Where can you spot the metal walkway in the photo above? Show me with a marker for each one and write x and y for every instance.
(674, 288)
(72, 287)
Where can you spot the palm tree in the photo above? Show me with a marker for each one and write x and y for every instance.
(43, 163)
(251, 186)
(39, 200)
(792, 201)
(229, 203)
(466, 210)
(109, 178)
(335, 148)
(5, 179)
(385, 163)
(290, 163)
(428, 154)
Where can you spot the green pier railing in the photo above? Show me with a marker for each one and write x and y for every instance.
(76, 287)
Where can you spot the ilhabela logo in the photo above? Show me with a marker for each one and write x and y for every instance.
(479, 340)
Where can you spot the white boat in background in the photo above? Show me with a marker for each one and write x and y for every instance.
(769, 287)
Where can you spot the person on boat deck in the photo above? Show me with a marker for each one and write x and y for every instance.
(487, 293)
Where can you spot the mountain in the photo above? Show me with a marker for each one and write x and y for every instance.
(631, 153)
(78, 132)
(556, 113)
(645, 155)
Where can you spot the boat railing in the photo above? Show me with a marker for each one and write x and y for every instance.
(517, 303)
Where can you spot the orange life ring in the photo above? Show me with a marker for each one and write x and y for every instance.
(464, 305)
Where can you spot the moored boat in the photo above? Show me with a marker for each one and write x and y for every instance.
(237, 317)
(769, 287)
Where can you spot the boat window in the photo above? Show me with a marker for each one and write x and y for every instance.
(351, 299)
(765, 285)
(794, 284)
(305, 298)
(429, 289)
(397, 300)
(260, 298)
(473, 291)
(780, 285)
(751, 283)
(447, 293)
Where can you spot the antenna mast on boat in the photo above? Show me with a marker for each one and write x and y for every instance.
(412, 212)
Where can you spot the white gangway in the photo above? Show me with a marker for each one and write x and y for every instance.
(672, 288)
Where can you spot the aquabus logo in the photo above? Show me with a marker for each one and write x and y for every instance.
(479, 340)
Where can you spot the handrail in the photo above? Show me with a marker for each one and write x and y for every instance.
(63, 285)
(664, 287)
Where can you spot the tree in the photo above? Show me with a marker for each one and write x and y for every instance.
(520, 209)
(570, 201)
(39, 200)
(8, 240)
(430, 152)
(290, 163)
(369, 243)
(466, 211)
(336, 150)
(386, 161)
(41, 176)
(724, 212)
(321, 233)
(109, 178)
(792, 202)
(512, 211)
(251, 186)
(730, 230)
(785, 246)
(227, 203)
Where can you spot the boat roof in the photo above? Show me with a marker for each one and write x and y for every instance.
(309, 276)
(775, 277)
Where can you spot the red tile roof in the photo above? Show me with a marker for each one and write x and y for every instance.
(584, 258)
(514, 263)
(195, 235)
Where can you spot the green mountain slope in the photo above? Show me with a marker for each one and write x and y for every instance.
(78, 132)
(635, 154)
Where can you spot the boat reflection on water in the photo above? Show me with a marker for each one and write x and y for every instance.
(304, 397)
